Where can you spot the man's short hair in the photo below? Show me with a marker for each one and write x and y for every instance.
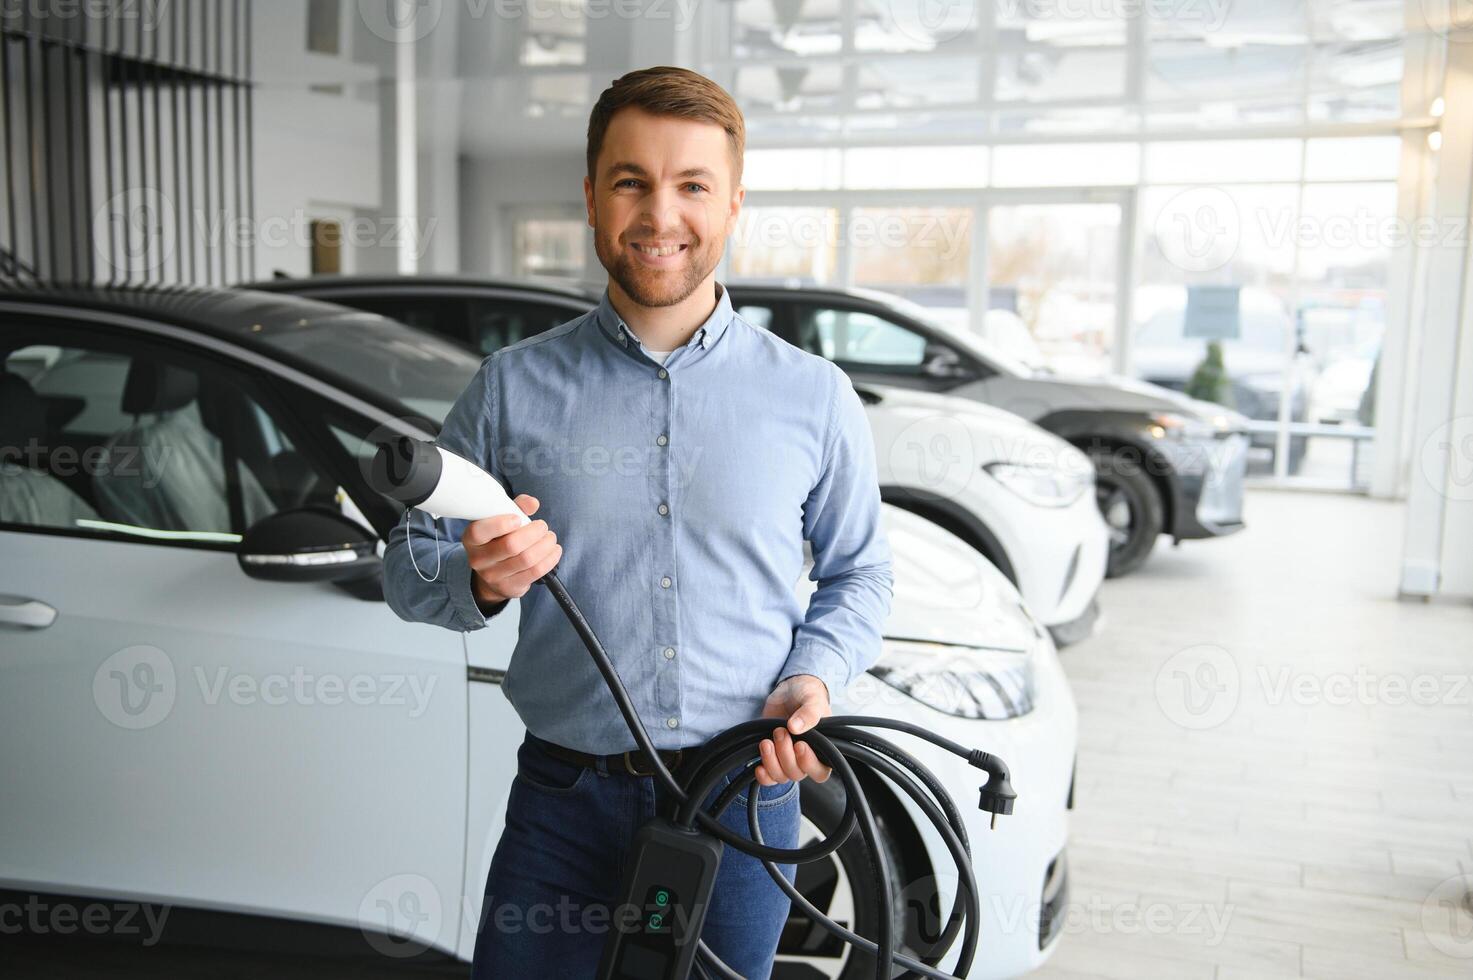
(667, 91)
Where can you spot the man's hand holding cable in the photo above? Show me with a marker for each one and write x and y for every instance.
(802, 699)
(506, 559)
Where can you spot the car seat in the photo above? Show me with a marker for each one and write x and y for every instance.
(169, 473)
(29, 496)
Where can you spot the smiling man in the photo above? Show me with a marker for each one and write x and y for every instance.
(741, 448)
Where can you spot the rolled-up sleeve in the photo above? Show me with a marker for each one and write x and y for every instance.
(427, 578)
(841, 635)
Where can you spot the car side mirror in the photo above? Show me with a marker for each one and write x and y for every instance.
(941, 361)
(310, 544)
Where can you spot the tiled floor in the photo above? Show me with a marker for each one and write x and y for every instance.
(1276, 760)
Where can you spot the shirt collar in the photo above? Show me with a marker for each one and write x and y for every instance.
(705, 335)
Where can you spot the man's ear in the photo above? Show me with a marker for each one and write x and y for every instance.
(737, 197)
(588, 199)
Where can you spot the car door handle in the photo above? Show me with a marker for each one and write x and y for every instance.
(30, 614)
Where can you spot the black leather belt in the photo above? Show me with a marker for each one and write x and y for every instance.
(633, 763)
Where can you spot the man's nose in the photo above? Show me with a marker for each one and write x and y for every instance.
(661, 209)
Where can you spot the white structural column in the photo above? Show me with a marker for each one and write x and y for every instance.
(406, 146)
(439, 92)
(1439, 529)
(1422, 57)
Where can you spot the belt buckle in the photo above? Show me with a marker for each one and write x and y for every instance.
(635, 771)
(629, 766)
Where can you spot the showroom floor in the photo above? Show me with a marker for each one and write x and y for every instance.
(1256, 797)
(1264, 790)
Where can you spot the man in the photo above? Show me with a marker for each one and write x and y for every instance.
(684, 456)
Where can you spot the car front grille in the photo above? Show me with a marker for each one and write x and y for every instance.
(1222, 486)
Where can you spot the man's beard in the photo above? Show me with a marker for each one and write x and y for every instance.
(656, 287)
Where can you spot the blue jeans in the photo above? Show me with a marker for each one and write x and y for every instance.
(560, 861)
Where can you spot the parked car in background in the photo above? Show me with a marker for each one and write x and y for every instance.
(1022, 497)
(197, 710)
(1343, 392)
(1164, 463)
(1262, 353)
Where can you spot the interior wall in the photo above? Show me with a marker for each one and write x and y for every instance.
(494, 191)
(317, 153)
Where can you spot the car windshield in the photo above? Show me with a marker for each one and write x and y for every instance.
(416, 370)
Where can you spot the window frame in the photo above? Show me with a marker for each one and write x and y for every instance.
(979, 370)
(91, 329)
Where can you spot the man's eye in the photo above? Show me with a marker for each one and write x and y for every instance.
(698, 188)
(627, 180)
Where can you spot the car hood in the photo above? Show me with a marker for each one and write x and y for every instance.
(945, 591)
(1114, 392)
(904, 420)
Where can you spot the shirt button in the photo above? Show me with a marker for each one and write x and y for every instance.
(664, 374)
(662, 440)
(664, 510)
(669, 653)
(665, 582)
(672, 722)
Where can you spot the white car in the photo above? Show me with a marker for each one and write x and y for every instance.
(1023, 497)
(199, 709)
(964, 657)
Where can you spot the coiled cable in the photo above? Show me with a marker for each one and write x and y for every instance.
(838, 741)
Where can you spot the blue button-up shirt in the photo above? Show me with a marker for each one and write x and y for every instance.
(682, 495)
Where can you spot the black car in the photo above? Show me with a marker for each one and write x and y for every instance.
(1165, 464)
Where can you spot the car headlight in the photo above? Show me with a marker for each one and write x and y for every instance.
(965, 681)
(1169, 425)
(1047, 486)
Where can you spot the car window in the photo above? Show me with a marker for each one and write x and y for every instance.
(117, 438)
(442, 316)
(758, 315)
(498, 323)
(853, 337)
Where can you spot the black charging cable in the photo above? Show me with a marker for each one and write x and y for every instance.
(837, 741)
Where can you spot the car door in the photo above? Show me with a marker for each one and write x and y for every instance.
(493, 728)
(170, 727)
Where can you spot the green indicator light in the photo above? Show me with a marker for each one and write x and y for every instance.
(662, 897)
(656, 920)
